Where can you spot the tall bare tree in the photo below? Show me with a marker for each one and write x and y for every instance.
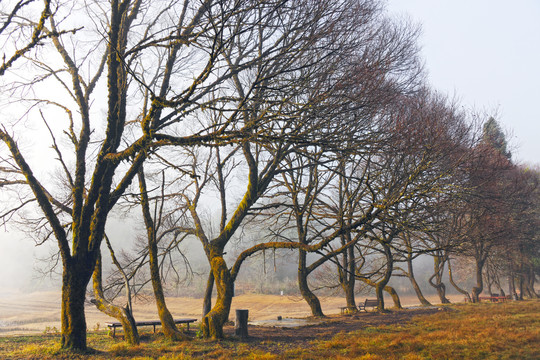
(174, 54)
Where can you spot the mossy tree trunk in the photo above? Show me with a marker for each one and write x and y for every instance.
(213, 321)
(75, 278)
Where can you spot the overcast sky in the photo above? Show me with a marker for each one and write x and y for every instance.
(487, 53)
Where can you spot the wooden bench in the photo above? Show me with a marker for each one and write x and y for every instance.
(154, 323)
(372, 303)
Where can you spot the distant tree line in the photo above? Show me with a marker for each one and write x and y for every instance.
(308, 123)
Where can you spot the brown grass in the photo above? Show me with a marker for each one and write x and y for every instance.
(468, 331)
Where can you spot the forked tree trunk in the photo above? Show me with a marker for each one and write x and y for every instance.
(122, 314)
(307, 294)
(212, 323)
(438, 266)
(477, 290)
(382, 284)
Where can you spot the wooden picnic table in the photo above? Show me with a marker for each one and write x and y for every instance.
(154, 323)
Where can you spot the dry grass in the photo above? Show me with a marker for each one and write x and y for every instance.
(471, 331)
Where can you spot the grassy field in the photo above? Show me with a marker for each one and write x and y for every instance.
(466, 331)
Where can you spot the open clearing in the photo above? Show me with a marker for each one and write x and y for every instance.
(34, 313)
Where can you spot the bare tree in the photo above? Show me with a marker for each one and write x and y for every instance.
(180, 56)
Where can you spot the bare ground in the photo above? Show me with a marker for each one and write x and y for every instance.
(276, 340)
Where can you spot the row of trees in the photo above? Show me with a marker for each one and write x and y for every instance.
(307, 123)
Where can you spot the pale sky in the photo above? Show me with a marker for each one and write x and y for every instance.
(487, 53)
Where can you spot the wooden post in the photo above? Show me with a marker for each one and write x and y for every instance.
(241, 323)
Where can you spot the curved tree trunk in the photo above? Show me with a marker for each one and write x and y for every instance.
(451, 279)
(414, 283)
(122, 314)
(212, 323)
(307, 294)
(395, 297)
(381, 285)
(438, 265)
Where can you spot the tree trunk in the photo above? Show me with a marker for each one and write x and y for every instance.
(477, 290)
(415, 285)
(438, 265)
(380, 296)
(124, 315)
(212, 324)
(347, 278)
(530, 282)
(73, 319)
(207, 302)
(167, 322)
(307, 294)
(395, 297)
(381, 285)
(512, 285)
